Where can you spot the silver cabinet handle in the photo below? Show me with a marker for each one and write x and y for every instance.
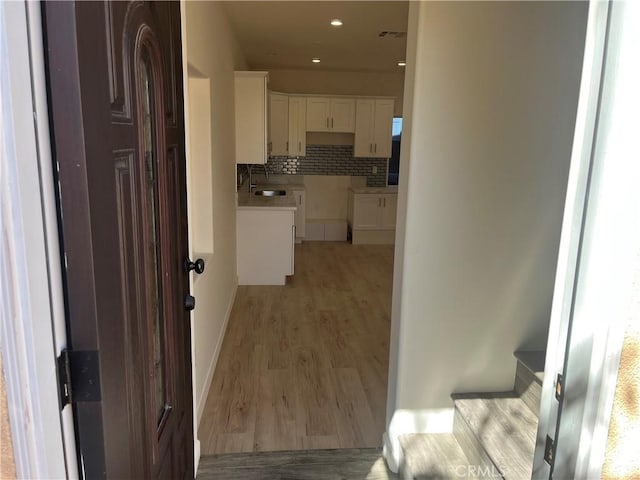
(332, 122)
(375, 147)
(287, 145)
(370, 147)
(327, 122)
(299, 146)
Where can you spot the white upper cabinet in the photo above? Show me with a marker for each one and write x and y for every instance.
(343, 115)
(297, 143)
(278, 123)
(362, 142)
(318, 111)
(251, 117)
(329, 114)
(383, 128)
(374, 124)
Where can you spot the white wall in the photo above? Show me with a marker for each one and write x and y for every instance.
(491, 101)
(212, 55)
(340, 83)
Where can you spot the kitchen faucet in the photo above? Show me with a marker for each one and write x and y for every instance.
(253, 185)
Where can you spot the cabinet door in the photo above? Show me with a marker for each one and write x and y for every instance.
(382, 128)
(251, 117)
(318, 113)
(363, 139)
(366, 211)
(278, 124)
(301, 216)
(297, 126)
(265, 245)
(343, 115)
(388, 210)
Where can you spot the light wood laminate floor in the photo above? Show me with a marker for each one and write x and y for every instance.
(304, 366)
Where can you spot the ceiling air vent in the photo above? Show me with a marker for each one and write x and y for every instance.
(392, 34)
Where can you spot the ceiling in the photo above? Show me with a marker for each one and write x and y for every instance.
(288, 34)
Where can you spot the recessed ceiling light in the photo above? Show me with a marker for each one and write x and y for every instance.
(315, 60)
(336, 22)
(402, 63)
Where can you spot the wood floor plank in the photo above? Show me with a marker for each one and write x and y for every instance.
(233, 442)
(275, 420)
(334, 340)
(315, 397)
(305, 365)
(352, 412)
(236, 412)
(276, 347)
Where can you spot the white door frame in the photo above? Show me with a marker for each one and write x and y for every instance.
(32, 318)
(599, 250)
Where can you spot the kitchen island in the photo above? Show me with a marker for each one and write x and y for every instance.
(265, 235)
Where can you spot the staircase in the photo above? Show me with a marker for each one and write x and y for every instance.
(494, 434)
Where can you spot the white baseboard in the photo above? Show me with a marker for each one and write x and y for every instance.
(392, 454)
(214, 359)
(405, 422)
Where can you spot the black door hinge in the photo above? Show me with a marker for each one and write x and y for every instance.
(79, 376)
(549, 450)
(64, 379)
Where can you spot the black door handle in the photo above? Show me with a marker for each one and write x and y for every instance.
(197, 266)
(189, 302)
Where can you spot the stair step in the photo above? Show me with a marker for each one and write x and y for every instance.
(533, 361)
(498, 429)
(438, 456)
(529, 376)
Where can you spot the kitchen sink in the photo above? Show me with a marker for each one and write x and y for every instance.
(270, 193)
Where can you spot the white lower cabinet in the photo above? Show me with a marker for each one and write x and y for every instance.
(372, 217)
(374, 211)
(301, 214)
(265, 244)
(366, 211)
(388, 210)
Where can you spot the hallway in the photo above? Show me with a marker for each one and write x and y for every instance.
(304, 366)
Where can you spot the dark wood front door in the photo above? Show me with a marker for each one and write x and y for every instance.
(116, 105)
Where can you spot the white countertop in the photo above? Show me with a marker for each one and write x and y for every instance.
(393, 189)
(284, 202)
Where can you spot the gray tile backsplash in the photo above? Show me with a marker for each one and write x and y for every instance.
(331, 160)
